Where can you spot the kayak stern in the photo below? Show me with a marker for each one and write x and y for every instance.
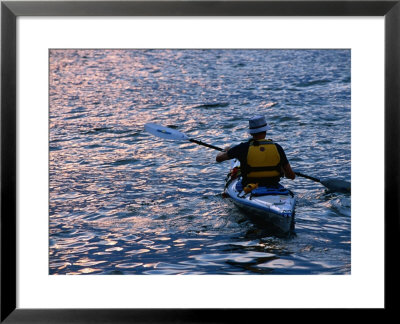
(276, 209)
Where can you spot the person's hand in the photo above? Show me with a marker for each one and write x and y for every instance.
(223, 155)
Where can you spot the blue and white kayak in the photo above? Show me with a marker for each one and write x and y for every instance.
(273, 205)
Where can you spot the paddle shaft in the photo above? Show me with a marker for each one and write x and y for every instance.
(331, 184)
(307, 177)
(205, 144)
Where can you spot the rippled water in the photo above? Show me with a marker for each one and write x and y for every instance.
(125, 202)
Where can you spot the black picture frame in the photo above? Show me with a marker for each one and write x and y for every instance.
(10, 10)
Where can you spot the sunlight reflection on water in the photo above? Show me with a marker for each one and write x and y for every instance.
(125, 202)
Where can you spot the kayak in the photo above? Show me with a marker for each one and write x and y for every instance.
(272, 205)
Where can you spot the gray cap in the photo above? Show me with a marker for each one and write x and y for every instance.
(257, 124)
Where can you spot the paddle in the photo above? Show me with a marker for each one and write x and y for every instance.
(331, 184)
(172, 134)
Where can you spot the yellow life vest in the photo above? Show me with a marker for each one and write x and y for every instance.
(263, 160)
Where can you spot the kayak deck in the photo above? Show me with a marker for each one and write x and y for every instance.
(272, 205)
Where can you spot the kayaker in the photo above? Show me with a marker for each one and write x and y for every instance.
(262, 161)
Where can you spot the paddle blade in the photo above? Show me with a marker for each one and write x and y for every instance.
(337, 185)
(165, 132)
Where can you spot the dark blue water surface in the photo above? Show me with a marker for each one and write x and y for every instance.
(125, 202)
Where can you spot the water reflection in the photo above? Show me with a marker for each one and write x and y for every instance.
(124, 202)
